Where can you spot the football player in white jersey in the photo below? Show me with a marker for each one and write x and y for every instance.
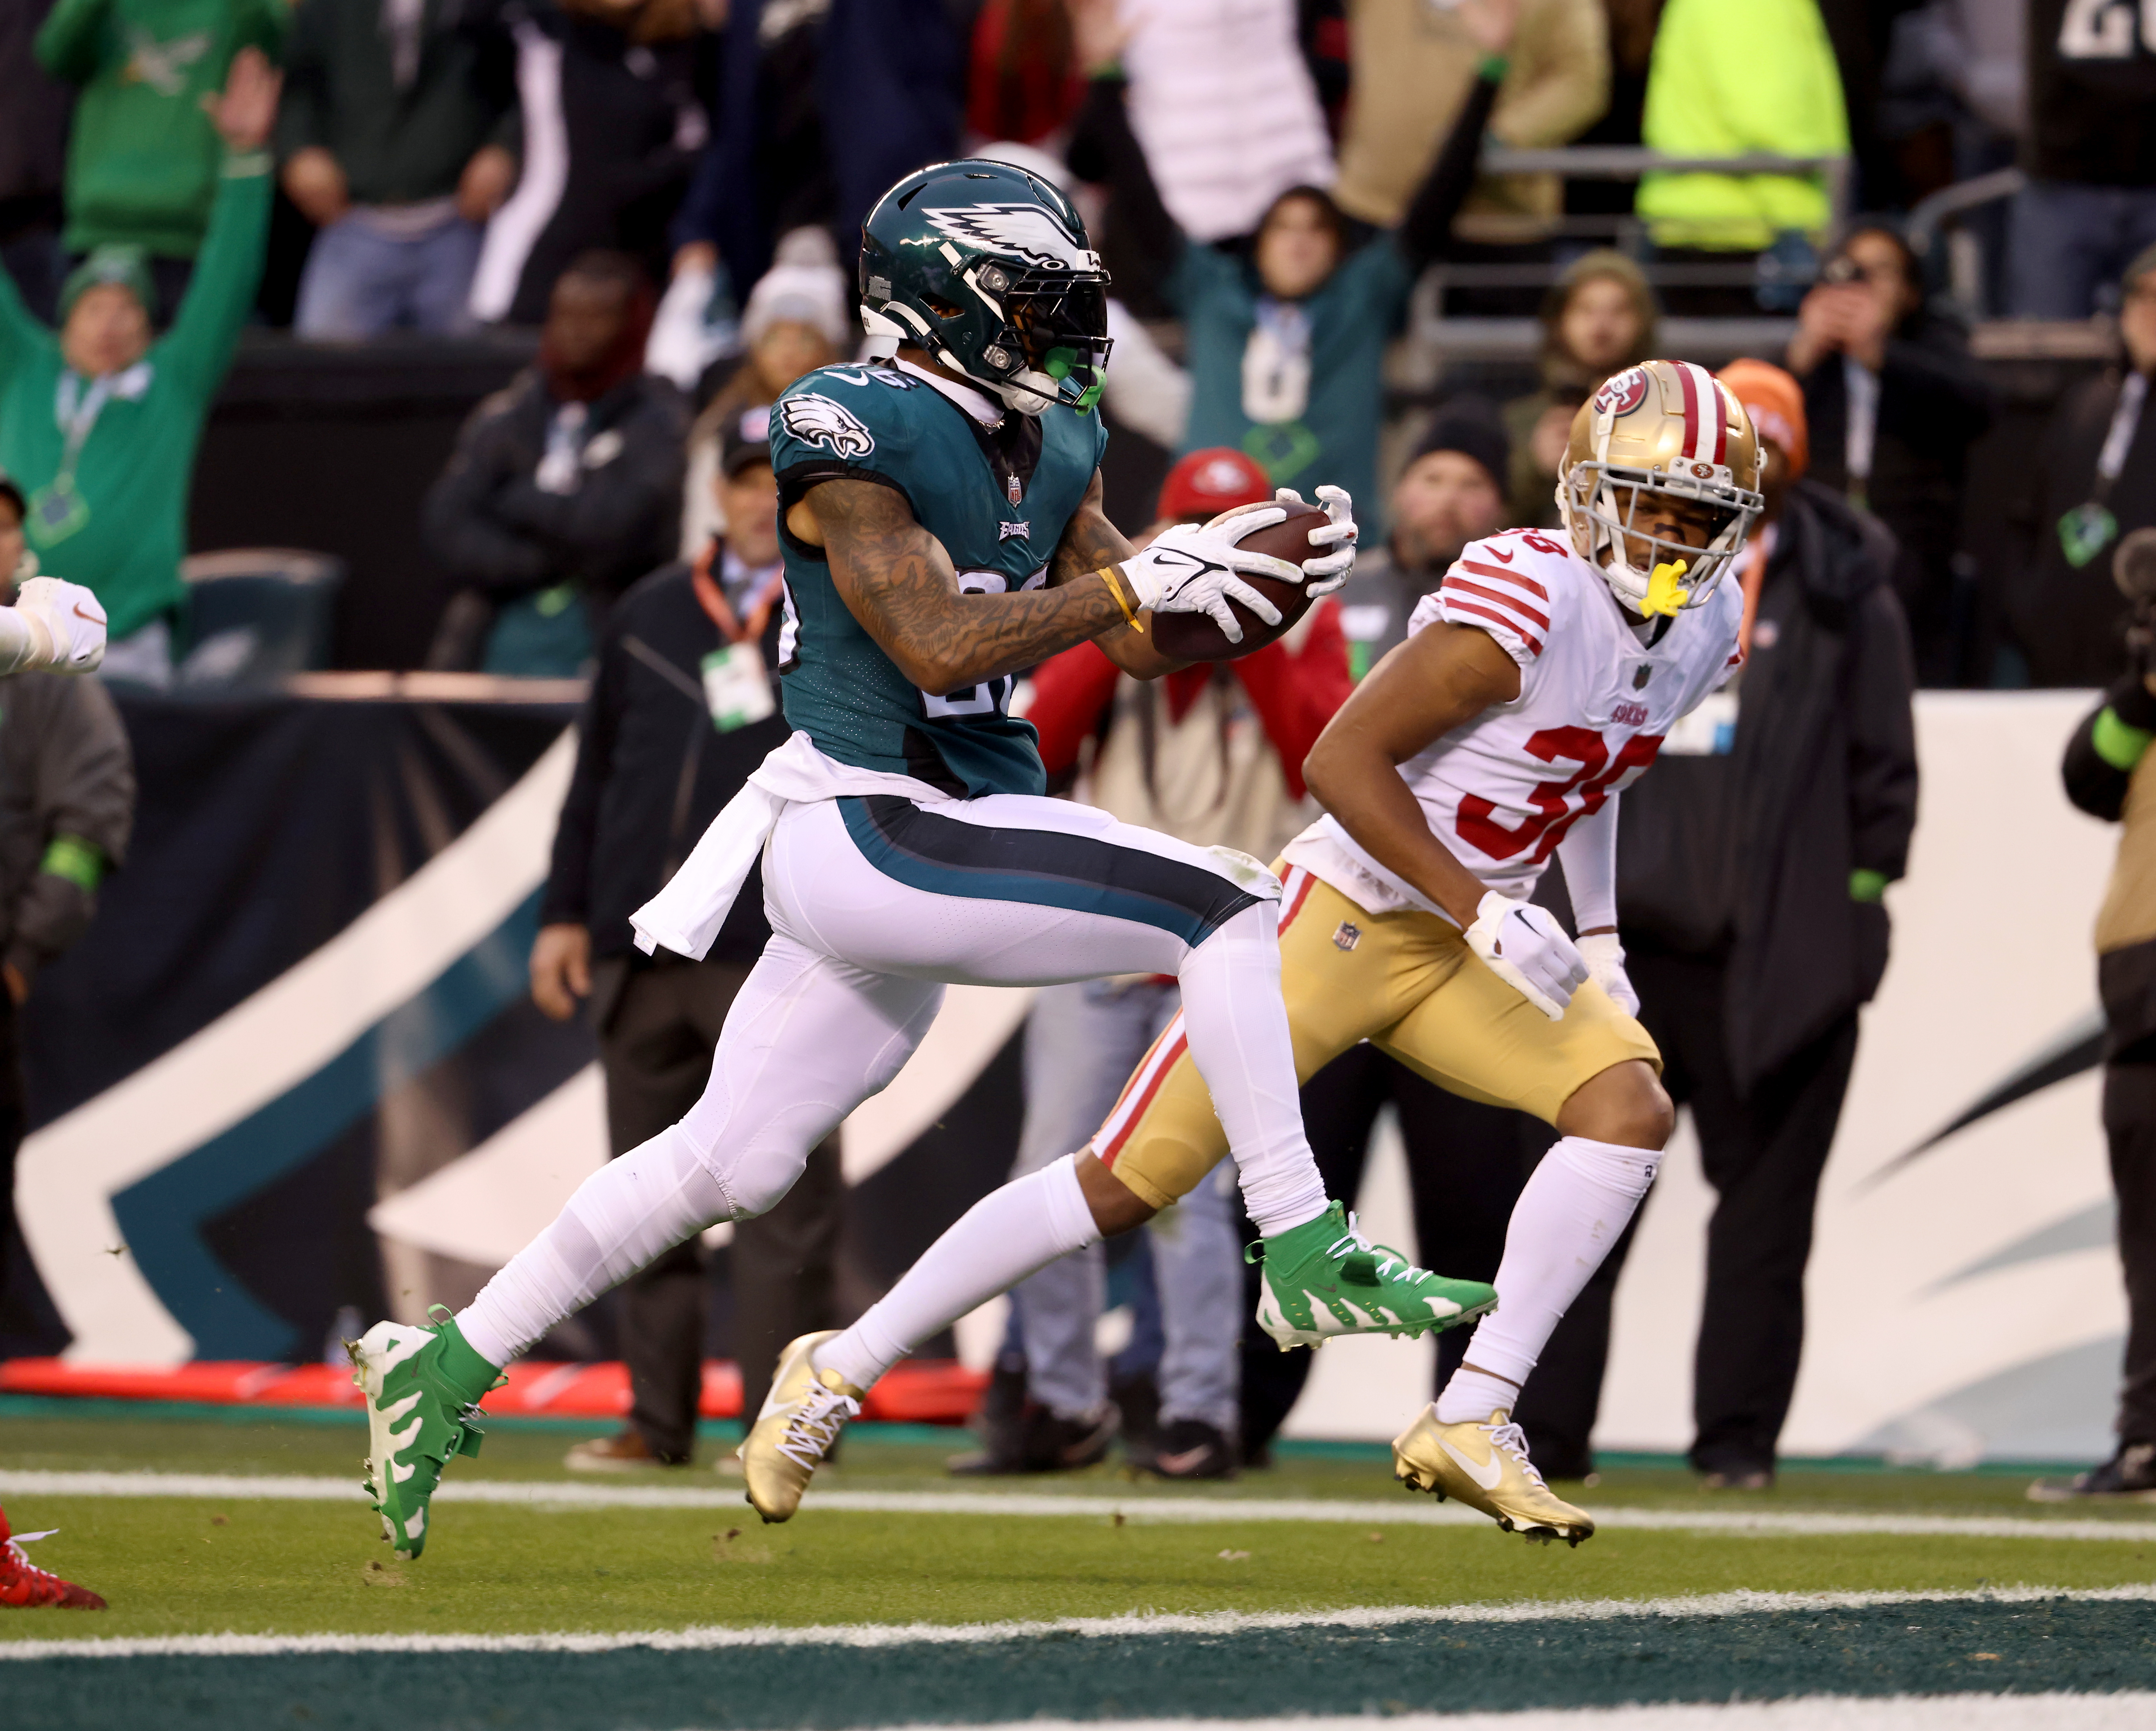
(1537, 681)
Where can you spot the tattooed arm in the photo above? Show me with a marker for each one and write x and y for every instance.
(1090, 541)
(898, 582)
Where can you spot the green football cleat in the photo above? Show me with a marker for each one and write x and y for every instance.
(1324, 1278)
(423, 1387)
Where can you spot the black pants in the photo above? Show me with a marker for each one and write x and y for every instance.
(2129, 1125)
(1763, 1155)
(1466, 1162)
(655, 1049)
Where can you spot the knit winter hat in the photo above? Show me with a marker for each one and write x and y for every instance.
(1776, 403)
(1208, 482)
(804, 286)
(1470, 426)
(127, 267)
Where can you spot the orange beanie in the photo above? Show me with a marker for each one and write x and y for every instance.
(1776, 402)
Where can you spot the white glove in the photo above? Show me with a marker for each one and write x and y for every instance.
(1604, 957)
(1524, 946)
(1192, 568)
(66, 625)
(1327, 574)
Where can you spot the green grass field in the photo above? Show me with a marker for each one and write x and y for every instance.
(203, 1565)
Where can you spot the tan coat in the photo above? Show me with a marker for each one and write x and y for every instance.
(1413, 64)
(2128, 914)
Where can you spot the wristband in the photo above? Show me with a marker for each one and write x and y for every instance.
(80, 862)
(2119, 743)
(1113, 578)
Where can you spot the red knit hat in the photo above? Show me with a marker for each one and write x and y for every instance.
(1208, 482)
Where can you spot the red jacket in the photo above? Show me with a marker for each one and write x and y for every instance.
(1294, 691)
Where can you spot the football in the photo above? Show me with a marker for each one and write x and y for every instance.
(1194, 636)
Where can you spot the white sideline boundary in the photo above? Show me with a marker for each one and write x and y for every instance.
(712, 1638)
(555, 1495)
(2130, 1712)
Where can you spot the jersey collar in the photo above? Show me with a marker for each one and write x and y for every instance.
(977, 405)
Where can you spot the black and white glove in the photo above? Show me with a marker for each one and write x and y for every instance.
(1604, 957)
(1524, 946)
(1327, 572)
(1199, 569)
(55, 624)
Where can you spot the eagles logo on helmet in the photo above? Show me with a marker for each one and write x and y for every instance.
(986, 268)
(1665, 430)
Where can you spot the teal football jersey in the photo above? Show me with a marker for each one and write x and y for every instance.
(997, 499)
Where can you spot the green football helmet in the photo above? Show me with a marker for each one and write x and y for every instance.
(987, 269)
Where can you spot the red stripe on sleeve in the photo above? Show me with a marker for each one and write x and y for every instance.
(1533, 643)
(1528, 583)
(1455, 585)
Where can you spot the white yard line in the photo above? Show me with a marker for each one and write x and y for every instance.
(1209, 1623)
(1813, 1712)
(1161, 1510)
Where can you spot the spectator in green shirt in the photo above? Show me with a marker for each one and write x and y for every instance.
(99, 424)
(143, 160)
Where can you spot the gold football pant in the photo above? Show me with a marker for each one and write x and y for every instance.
(1409, 984)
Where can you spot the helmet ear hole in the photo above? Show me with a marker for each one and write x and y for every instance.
(941, 308)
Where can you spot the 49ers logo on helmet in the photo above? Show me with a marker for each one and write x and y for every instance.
(1624, 393)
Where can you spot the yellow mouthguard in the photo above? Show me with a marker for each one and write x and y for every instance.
(1665, 593)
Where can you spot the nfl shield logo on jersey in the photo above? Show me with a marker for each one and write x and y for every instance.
(1641, 675)
(1347, 937)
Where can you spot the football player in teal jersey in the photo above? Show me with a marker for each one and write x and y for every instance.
(943, 532)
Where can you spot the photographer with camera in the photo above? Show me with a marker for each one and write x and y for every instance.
(2109, 775)
(1894, 402)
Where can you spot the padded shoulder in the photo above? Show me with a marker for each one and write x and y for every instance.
(1514, 585)
(844, 420)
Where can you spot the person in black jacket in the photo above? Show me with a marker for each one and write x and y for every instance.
(1750, 869)
(683, 709)
(1894, 403)
(2092, 484)
(2090, 153)
(613, 86)
(564, 488)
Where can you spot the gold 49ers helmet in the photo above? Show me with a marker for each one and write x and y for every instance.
(1665, 427)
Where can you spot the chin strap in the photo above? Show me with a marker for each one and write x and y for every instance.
(884, 335)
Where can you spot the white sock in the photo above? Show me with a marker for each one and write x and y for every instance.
(1575, 1208)
(1237, 1027)
(1006, 1235)
(621, 1217)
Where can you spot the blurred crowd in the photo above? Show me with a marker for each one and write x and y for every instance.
(672, 189)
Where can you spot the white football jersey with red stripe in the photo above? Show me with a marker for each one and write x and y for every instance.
(1595, 701)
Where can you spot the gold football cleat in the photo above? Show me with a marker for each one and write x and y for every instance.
(801, 1420)
(1486, 1466)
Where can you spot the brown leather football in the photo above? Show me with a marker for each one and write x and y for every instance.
(1194, 636)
